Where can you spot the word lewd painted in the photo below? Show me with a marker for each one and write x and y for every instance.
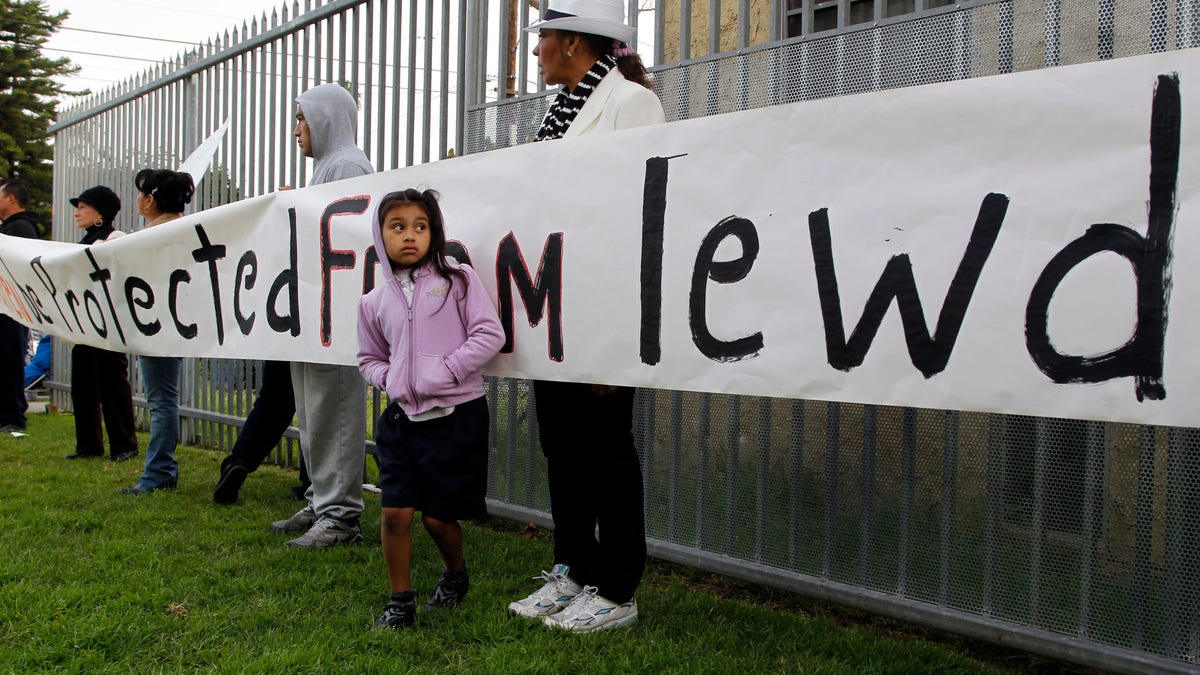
(1140, 358)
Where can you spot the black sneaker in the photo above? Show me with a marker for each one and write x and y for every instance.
(230, 483)
(398, 614)
(450, 590)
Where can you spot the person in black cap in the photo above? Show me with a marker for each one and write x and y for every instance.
(15, 221)
(100, 378)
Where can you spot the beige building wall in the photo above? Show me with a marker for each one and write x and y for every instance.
(760, 17)
(1079, 30)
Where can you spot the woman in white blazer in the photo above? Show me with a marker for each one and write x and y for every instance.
(586, 429)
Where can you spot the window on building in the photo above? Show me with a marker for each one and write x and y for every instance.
(825, 13)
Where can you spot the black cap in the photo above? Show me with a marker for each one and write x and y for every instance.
(102, 199)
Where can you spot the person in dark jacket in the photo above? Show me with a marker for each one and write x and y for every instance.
(269, 419)
(14, 337)
(100, 378)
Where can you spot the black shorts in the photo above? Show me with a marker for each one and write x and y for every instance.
(439, 466)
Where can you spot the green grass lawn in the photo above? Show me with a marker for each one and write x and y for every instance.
(92, 581)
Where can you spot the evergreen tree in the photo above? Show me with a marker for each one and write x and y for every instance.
(28, 98)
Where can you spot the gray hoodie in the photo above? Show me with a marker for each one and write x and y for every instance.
(332, 118)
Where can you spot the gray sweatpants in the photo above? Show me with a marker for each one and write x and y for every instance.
(331, 409)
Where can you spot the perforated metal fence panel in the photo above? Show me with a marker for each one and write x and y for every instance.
(1076, 539)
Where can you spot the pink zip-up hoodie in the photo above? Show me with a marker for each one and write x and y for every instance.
(430, 353)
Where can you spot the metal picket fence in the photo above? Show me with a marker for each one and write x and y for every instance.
(1069, 538)
(407, 88)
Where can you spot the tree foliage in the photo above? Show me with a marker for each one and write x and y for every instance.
(28, 100)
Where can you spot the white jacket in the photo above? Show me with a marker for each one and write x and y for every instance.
(617, 103)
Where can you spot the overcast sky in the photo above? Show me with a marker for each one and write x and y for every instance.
(106, 60)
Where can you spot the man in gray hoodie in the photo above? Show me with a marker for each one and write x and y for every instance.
(331, 400)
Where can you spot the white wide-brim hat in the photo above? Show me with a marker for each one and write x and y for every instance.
(597, 17)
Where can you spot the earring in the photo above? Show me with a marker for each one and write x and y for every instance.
(99, 222)
(569, 54)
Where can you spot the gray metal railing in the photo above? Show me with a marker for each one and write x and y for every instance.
(1073, 539)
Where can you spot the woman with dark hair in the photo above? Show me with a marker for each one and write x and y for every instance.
(100, 378)
(587, 429)
(162, 196)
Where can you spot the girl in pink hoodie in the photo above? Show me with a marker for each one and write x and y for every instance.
(424, 335)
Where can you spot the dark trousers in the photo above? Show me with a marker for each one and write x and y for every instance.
(14, 341)
(272, 414)
(100, 387)
(595, 481)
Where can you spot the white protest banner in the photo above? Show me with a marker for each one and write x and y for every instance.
(996, 244)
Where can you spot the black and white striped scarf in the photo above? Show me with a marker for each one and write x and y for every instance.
(568, 102)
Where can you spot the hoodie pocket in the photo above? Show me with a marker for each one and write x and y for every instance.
(434, 379)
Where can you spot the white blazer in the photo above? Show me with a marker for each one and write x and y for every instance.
(617, 103)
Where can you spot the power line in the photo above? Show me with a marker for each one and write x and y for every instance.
(107, 56)
(118, 68)
(100, 32)
(159, 7)
(128, 35)
(90, 79)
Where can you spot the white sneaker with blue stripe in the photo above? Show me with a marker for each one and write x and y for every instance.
(591, 612)
(558, 592)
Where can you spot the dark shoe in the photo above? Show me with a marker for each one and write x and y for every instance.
(9, 428)
(85, 455)
(232, 477)
(124, 456)
(135, 490)
(400, 613)
(450, 590)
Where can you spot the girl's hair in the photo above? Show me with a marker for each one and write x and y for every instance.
(630, 64)
(172, 191)
(428, 200)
